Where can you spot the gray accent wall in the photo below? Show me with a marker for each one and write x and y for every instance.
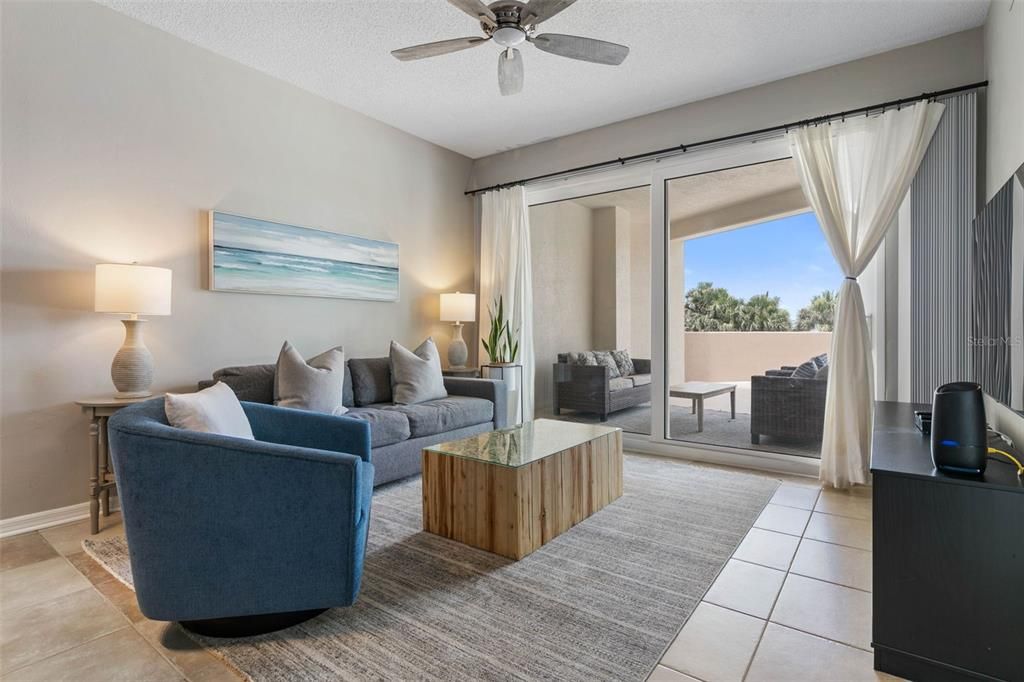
(943, 204)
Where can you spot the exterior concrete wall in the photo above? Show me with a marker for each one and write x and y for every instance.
(736, 356)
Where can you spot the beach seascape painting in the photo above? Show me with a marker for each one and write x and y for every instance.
(260, 256)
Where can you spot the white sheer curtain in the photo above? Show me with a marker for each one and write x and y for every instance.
(505, 271)
(856, 174)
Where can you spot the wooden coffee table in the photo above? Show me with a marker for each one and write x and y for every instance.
(697, 391)
(512, 490)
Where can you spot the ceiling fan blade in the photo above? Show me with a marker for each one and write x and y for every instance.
(407, 54)
(477, 10)
(542, 10)
(585, 49)
(510, 72)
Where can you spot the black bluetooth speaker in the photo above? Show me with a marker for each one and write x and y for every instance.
(959, 430)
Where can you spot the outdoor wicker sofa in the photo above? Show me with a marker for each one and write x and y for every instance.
(789, 402)
(593, 389)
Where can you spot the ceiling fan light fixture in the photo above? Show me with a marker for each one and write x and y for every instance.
(509, 36)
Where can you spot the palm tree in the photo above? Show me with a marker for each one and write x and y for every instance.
(819, 314)
(762, 313)
(710, 309)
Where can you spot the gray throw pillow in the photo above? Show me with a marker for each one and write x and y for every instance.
(822, 373)
(317, 385)
(624, 362)
(416, 375)
(604, 357)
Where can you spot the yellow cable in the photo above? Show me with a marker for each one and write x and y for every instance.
(1020, 467)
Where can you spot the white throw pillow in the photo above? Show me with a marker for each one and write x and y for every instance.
(317, 385)
(416, 375)
(212, 410)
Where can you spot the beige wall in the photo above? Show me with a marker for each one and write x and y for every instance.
(561, 252)
(942, 63)
(116, 138)
(640, 284)
(1004, 67)
(611, 279)
(736, 356)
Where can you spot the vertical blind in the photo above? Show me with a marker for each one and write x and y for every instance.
(943, 205)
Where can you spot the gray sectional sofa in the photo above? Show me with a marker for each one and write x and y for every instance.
(398, 433)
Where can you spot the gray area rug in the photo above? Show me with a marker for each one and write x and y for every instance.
(600, 602)
(719, 429)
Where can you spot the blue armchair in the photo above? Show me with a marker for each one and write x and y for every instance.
(235, 537)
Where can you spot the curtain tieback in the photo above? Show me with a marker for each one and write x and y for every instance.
(853, 278)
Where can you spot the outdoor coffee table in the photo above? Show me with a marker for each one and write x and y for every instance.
(512, 490)
(697, 391)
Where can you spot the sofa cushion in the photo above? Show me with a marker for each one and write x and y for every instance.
(348, 398)
(371, 380)
(604, 358)
(445, 414)
(641, 379)
(387, 426)
(619, 383)
(253, 383)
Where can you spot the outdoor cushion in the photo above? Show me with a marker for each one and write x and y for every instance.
(445, 414)
(805, 371)
(371, 380)
(641, 379)
(605, 358)
(624, 362)
(619, 383)
(387, 426)
(820, 360)
(822, 373)
(585, 358)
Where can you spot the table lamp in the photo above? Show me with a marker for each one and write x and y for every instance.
(458, 308)
(132, 290)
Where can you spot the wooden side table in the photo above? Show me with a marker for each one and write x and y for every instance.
(101, 475)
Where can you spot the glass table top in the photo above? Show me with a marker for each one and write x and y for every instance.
(520, 445)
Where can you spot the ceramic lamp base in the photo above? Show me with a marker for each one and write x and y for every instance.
(458, 353)
(132, 369)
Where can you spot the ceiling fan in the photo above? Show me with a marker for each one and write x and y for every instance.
(510, 23)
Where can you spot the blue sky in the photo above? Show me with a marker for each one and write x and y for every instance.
(787, 258)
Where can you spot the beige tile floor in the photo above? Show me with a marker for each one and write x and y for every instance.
(793, 603)
(62, 617)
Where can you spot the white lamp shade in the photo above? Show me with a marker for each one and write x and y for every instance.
(133, 289)
(458, 307)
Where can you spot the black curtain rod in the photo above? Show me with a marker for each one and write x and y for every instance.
(682, 148)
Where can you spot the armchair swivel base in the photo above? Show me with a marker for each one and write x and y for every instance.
(249, 626)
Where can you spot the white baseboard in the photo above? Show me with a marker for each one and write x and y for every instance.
(18, 525)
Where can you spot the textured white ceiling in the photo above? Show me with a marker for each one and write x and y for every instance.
(681, 51)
